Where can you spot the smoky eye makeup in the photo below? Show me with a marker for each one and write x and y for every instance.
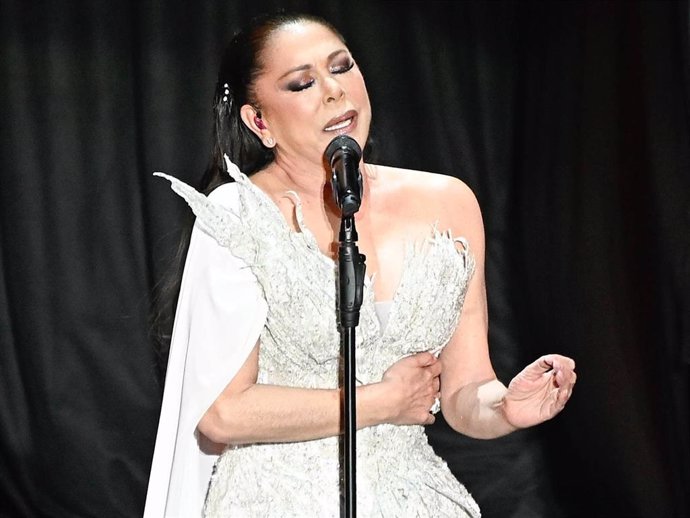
(343, 63)
(298, 85)
(342, 66)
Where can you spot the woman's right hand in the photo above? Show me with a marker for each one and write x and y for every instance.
(411, 385)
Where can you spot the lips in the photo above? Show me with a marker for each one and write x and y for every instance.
(341, 123)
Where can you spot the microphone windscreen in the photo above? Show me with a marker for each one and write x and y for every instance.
(346, 144)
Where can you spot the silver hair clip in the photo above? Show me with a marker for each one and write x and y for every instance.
(226, 92)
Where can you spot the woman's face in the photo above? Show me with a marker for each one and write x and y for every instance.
(309, 91)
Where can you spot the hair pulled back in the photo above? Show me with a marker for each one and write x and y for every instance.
(240, 67)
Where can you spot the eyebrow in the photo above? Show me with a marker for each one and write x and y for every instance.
(307, 67)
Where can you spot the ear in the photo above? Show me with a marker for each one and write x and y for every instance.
(249, 117)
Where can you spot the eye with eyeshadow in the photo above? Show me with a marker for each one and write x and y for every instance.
(298, 86)
(342, 66)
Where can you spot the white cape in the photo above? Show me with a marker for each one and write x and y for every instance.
(220, 315)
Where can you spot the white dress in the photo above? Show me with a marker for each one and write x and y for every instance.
(398, 474)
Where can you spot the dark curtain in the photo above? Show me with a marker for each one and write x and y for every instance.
(570, 121)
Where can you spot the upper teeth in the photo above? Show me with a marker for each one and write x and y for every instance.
(340, 125)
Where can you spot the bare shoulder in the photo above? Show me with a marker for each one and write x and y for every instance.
(430, 197)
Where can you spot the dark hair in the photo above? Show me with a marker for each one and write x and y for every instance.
(239, 69)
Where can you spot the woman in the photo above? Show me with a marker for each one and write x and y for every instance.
(253, 369)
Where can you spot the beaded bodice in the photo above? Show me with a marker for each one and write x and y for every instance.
(300, 342)
(300, 346)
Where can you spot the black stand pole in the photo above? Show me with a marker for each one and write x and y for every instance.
(351, 269)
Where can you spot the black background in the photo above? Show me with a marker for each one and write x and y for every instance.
(570, 121)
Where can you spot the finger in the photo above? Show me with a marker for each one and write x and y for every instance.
(565, 378)
(566, 363)
(570, 363)
(559, 362)
(546, 363)
(435, 369)
(422, 359)
(425, 359)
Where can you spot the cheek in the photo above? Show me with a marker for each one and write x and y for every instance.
(358, 88)
(302, 103)
(292, 111)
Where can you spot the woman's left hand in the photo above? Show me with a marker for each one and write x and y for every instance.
(540, 391)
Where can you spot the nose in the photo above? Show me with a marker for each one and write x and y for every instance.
(333, 90)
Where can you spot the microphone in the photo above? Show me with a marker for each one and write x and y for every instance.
(343, 155)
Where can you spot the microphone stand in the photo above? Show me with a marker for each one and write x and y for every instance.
(351, 269)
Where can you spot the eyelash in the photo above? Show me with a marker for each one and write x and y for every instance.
(343, 68)
(336, 70)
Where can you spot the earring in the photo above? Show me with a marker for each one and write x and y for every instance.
(270, 142)
(226, 91)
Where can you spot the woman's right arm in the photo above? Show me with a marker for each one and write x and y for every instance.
(249, 412)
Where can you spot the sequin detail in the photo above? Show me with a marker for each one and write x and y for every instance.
(300, 347)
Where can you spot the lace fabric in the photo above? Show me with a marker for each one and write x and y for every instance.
(300, 347)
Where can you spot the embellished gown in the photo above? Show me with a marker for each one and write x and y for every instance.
(398, 473)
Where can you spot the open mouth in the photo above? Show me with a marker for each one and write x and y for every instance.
(340, 125)
(343, 122)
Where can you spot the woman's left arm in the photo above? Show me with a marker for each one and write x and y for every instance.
(473, 401)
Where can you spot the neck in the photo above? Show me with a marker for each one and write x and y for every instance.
(311, 182)
(308, 179)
